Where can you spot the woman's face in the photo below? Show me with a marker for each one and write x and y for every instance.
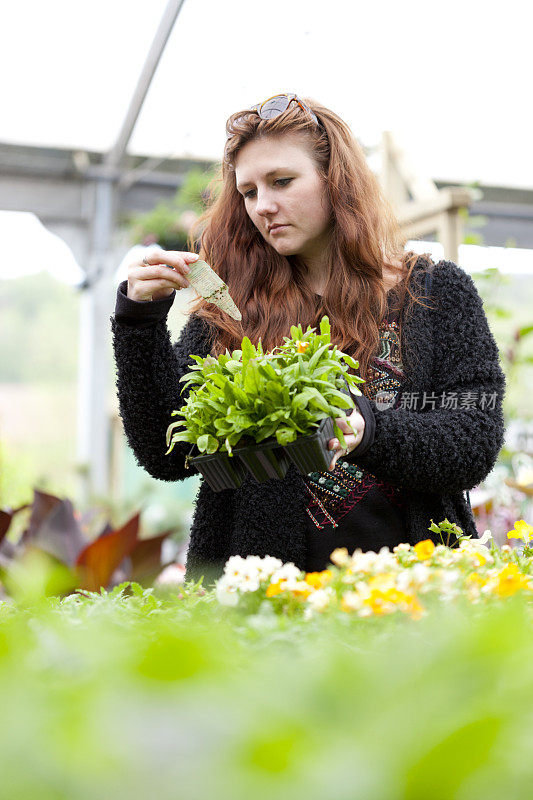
(280, 184)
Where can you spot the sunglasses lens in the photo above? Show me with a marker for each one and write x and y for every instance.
(273, 107)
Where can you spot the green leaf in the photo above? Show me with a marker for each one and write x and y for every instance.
(285, 435)
(315, 358)
(233, 366)
(207, 443)
(339, 434)
(349, 360)
(325, 326)
(252, 381)
(526, 330)
(248, 350)
(268, 372)
(316, 399)
(301, 400)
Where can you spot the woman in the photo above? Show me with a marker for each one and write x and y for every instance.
(298, 228)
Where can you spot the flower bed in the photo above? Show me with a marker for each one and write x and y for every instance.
(375, 584)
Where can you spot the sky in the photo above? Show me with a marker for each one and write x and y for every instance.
(449, 79)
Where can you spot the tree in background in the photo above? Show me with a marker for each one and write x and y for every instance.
(168, 224)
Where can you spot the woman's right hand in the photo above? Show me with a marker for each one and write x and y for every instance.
(158, 274)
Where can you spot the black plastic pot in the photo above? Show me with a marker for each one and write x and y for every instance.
(220, 470)
(265, 460)
(311, 453)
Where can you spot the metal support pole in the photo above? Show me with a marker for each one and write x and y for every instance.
(97, 301)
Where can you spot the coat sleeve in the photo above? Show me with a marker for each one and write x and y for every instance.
(148, 369)
(445, 449)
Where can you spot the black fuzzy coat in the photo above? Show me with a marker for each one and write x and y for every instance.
(435, 456)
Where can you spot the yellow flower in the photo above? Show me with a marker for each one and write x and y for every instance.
(510, 581)
(318, 579)
(273, 589)
(475, 579)
(424, 549)
(522, 531)
(381, 582)
(302, 346)
(386, 602)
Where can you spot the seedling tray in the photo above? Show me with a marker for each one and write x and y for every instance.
(310, 453)
(265, 460)
(220, 470)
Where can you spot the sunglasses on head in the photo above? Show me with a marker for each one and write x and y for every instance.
(276, 105)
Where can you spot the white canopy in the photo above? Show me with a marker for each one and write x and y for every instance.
(449, 79)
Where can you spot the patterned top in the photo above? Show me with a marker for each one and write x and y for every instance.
(333, 494)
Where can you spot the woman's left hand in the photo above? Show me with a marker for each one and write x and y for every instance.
(353, 428)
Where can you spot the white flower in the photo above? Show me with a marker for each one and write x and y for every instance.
(226, 592)
(249, 571)
(420, 573)
(385, 560)
(288, 573)
(235, 565)
(340, 556)
(363, 562)
(486, 536)
(352, 601)
(449, 577)
(268, 566)
(362, 589)
(320, 599)
(402, 548)
(404, 579)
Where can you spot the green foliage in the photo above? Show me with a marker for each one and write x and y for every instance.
(448, 528)
(284, 393)
(131, 695)
(164, 223)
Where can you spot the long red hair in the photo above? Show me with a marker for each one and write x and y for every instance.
(270, 289)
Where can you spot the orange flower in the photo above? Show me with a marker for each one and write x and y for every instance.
(273, 589)
(318, 579)
(424, 549)
(302, 589)
(302, 346)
